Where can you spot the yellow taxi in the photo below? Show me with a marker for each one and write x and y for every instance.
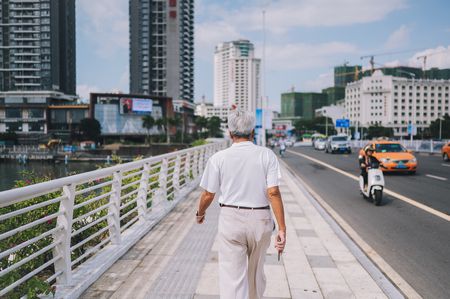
(446, 152)
(393, 157)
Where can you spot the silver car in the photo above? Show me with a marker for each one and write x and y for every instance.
(338, 144)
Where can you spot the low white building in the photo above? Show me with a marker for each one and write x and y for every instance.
(396, 102)
(208, 110)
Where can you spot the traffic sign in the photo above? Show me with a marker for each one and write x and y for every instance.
(342, 123)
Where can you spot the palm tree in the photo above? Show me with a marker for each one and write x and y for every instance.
(148, 122)
(161, 124)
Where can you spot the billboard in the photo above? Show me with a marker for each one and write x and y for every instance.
(135, 106)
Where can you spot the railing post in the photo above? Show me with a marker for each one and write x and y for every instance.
(187, 168)
(62, 237)
(162, 182)
(176, 175)
(142, 193)
(114, 208)
(431, 145)
(195, 165)
(201, 162)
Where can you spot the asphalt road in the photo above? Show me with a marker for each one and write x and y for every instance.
(414, 242)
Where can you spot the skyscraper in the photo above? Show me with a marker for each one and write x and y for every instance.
(236, 75)
(162, 48)
(37, 46)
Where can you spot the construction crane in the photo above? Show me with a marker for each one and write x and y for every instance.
(372, 56)
(424, 57)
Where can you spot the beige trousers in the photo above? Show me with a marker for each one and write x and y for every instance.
(244, 237)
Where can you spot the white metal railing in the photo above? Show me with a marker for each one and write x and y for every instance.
(48, 230)
(426, 146)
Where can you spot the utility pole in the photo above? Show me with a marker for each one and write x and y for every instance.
(440, 128)
(263, 98)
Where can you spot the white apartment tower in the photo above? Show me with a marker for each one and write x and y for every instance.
(237, 76)
(396, 102)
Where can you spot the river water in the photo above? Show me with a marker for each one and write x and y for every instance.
(10, 171)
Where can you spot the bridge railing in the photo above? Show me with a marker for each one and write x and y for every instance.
(66, 232)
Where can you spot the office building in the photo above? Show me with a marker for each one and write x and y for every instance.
(237, 75)
(396, 102)
(37, 41)
(162, 48)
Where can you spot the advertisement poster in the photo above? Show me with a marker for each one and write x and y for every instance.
(135, 106)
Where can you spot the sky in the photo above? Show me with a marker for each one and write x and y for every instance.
(305, 39)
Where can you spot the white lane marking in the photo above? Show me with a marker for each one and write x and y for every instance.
(436, 177)
(396, 279)
(387, 191)
(446, 165)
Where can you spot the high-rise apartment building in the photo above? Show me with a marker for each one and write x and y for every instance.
(237, 75)
(37, 46)
(162, 48)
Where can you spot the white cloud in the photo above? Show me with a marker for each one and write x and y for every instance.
(393, 63)
(106, 24)
(209, 34)
(438, 57)
(84, 90)
(399, 38)
(322, 81)
(305, 56)
(283, 15)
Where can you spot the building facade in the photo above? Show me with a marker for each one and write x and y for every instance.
(162, 48)
(121, 114)
(237, 75)
(301, 105)
(37, 46)
(396, 102)
(345, 74)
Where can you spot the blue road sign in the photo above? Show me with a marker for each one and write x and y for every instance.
(342, 123)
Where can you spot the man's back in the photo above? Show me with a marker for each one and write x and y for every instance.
(245, 172)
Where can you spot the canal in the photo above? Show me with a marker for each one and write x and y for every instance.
(11, 171)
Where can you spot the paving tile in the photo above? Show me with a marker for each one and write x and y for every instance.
(321, 261)
(306, 233)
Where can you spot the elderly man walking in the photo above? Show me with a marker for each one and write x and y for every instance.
(246, 178)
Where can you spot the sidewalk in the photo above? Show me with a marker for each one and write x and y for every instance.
(178, 259)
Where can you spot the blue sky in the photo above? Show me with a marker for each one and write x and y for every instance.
(304, 39)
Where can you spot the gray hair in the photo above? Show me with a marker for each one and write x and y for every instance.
(241, 123)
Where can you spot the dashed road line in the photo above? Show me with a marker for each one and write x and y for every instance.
(436, 177)
(387, 191)
(446, 165)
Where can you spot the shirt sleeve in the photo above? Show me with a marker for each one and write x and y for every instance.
(273, 171)
(211, 177)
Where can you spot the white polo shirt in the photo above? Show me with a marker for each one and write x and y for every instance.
(241, 174)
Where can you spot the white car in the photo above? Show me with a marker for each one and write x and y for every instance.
(320, 144)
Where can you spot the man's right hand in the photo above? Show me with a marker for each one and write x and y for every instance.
(280, 241)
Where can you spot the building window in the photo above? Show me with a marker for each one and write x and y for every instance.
(36, 113)
(13, 113)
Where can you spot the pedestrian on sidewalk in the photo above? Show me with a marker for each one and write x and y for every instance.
(246, 178)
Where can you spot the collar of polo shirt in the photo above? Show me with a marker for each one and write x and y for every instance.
(242, 143)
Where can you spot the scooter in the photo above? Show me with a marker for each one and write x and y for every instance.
(375, 184)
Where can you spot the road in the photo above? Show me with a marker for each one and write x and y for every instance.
(414, 242)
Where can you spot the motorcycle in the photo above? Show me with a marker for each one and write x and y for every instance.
(375, 184)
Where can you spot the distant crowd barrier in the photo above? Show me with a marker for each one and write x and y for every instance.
(60, 236)
(426, 146)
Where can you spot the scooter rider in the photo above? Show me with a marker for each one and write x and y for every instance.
(365, 161)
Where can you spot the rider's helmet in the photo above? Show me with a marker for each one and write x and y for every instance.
(369, 148)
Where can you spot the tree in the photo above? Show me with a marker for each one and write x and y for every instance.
(148, 122)
(90, 129)
(317, 124)
(172, 122)
(442, 126)
(214, 127)
(379, 131)
(161, 124)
